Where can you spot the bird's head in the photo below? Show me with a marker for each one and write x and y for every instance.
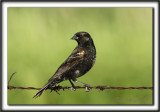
(82, 38)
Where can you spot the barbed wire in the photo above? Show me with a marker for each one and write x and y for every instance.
(57, 88)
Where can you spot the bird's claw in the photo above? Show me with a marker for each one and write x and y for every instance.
(72, 89)
(87, 88)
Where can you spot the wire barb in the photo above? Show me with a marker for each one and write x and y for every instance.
(57, 88)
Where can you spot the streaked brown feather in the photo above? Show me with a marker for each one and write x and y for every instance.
(71, 61)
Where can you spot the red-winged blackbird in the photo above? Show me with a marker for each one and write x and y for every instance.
(77, 64)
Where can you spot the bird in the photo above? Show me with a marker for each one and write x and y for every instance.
(79, 62)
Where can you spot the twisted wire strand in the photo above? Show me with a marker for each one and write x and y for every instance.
(57, 88)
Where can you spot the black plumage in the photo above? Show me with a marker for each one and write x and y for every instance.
(77, 64)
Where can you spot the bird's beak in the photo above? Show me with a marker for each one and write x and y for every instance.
(74, 37)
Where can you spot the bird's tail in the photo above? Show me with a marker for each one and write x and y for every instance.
(39, 93)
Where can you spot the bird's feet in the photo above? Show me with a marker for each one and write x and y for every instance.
(87, 88)
(71, 88)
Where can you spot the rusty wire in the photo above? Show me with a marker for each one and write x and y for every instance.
(57, 88)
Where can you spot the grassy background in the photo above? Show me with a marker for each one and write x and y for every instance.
(39, 41)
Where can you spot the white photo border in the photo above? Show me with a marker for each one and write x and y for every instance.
(6, 107)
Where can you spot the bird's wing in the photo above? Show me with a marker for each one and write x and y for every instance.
(75, 58)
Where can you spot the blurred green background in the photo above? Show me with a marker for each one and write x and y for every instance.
(39, 41)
